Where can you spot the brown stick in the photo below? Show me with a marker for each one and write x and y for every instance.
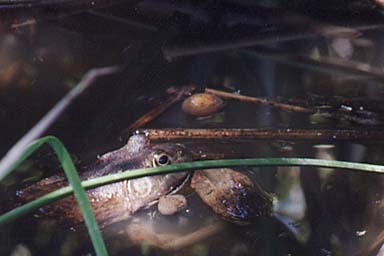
(283, 106)
(258, 134)
(177, 95)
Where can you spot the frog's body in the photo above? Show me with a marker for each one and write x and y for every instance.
(230, 194)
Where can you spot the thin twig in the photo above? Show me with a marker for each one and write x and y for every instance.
(175, 51)
(42, 10)
(17, 150)
(259, 134)
(259, 101)
(128, 22)
(177, 95)
(318, 30)
(323, 65)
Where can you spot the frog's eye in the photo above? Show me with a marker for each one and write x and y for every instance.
(161, 159)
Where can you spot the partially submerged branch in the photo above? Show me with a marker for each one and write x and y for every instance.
(176, 95)
(259, 134)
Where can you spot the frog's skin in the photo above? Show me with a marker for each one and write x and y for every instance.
(117, 201)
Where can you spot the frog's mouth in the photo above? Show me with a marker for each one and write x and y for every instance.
(182, 184)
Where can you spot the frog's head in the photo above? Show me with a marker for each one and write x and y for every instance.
(140, 153)
(155, 155)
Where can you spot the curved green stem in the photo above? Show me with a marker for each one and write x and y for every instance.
(130, 174)
(76, 188)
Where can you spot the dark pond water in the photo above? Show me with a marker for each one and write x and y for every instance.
(320, 211)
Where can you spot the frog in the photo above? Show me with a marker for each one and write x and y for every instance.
(231, 194)
(117, 201)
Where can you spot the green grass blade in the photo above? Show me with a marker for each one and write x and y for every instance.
(29, 207)
(76, 187)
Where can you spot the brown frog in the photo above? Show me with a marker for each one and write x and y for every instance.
(230, 194)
